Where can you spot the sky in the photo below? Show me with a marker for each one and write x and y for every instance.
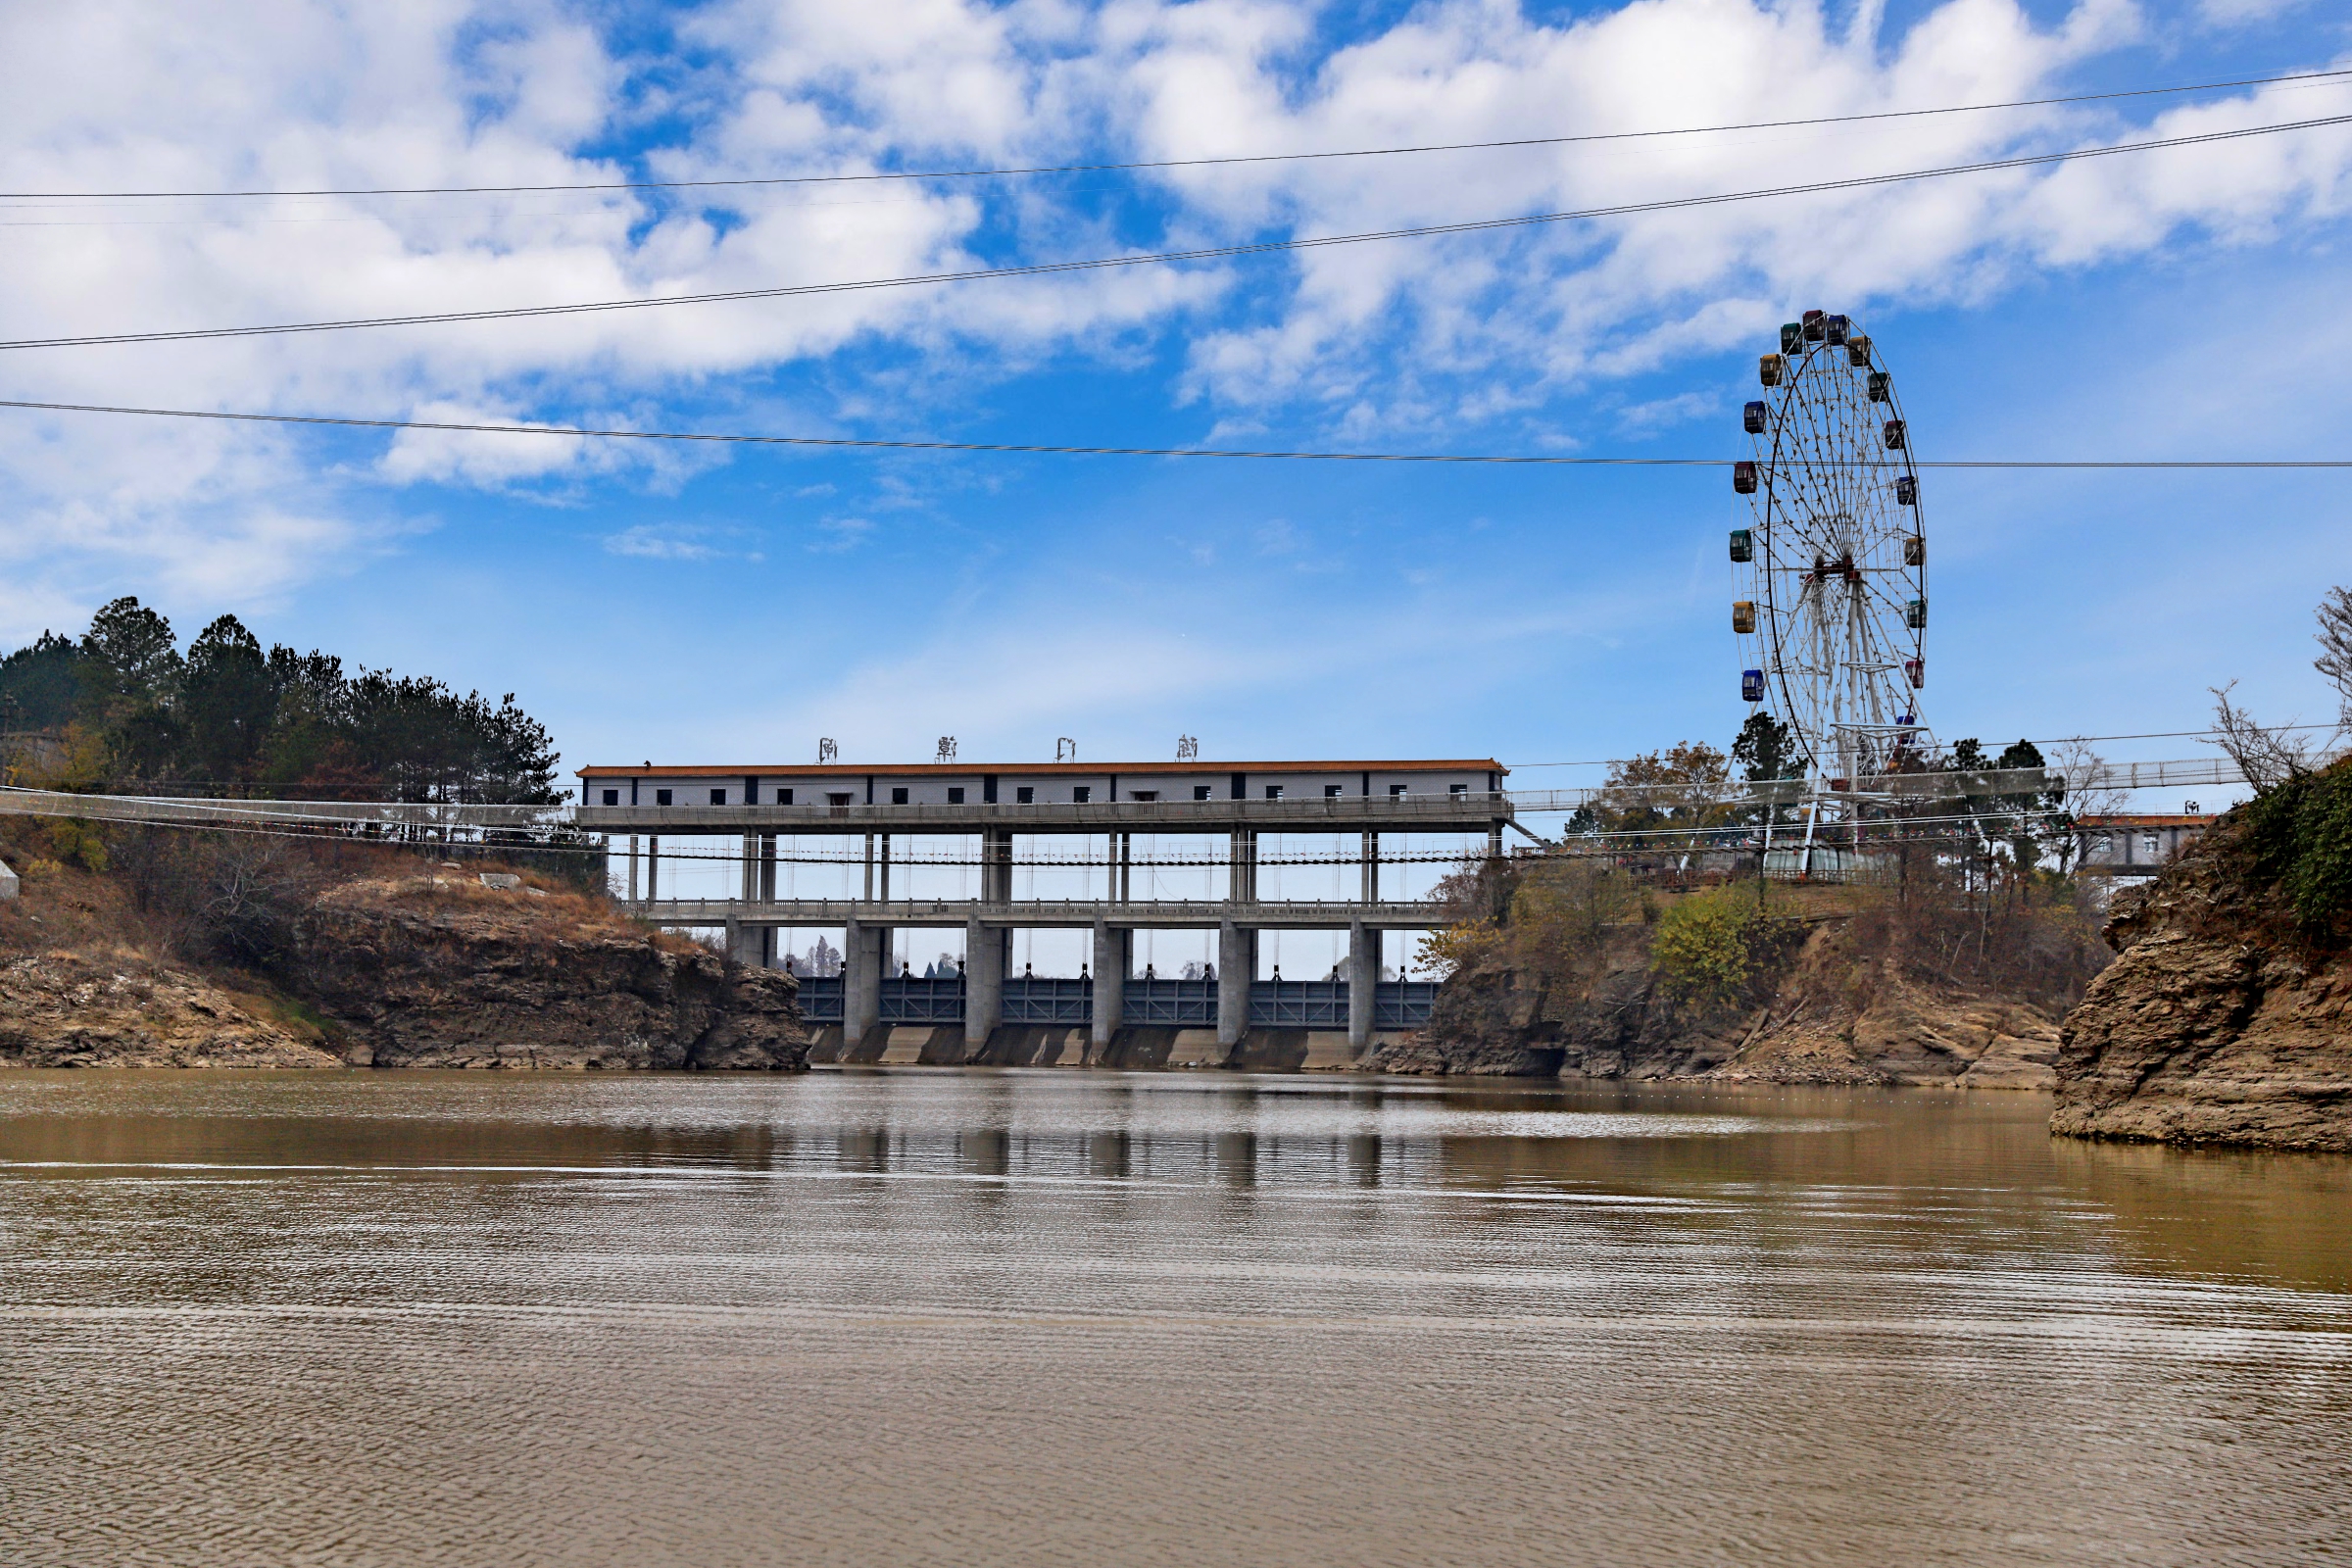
(725, 605)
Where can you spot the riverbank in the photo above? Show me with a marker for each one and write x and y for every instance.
(371, 961)
(2227, 1015)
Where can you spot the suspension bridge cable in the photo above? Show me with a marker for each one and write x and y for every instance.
(2311, 78)
(1165, 257)
(731, 438)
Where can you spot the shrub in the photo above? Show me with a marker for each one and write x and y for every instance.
(2300, 835)
(1701, 949)
(1562, 911)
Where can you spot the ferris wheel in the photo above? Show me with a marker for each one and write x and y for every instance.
(1832, 569)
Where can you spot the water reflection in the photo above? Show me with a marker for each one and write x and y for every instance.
(1075, 1316)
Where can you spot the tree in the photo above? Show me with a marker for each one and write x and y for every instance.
(1667, 799)
(1766, 752)
(128, 654)
(2267, 756)
(2335, 638)
(231, 714)
(40, 684)
(1766, 749)
(227, 703)
(2027, 811)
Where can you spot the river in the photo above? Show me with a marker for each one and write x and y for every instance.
(928, 1315)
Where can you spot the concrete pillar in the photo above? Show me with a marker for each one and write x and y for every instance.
(750, 867)
(885, 868)
(1369, 854)
(1237, 966)
(632, 868)
(766, 890)
(1495, 840)
(870, 868)
(983, 984)
(1126, 888)
(1111, 985)
(1242, 877)
(1363, 979)
(996, 865)
(861, 959)
(653, 867)
(744, 944)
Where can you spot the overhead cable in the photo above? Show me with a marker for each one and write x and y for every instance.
(876, 176)
(728, 438)
(1166, 258)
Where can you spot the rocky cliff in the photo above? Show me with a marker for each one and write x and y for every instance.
(119, 1008)
(1827, 1009)
(2223, 1020)
(412, 971)
(436, 972)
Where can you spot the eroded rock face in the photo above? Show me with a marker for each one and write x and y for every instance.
(1834, 1016)
(419, 976)
(79, 1009)
(2214, 1025)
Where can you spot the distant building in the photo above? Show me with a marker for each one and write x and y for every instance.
(2134, 843)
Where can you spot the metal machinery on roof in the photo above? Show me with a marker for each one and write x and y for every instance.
(1832, 576)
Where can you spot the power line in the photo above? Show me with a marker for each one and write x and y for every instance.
(726, 438)
(1160, 258)
(2312, 76)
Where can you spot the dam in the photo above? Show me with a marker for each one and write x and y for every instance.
(889, 821)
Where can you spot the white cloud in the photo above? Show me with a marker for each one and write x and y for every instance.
(1365, 340)
(840, 533)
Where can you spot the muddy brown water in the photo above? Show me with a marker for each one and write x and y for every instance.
(931, 1315)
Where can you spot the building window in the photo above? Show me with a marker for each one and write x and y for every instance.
(611, 797)
(783, 796)
(661, 796)
(2149, 844)
(2103, 844)
(719, 797)
(1081, 794)
(1273, 792)
(898, 795)
(1331, 792)
(1142, 795)
(1397, 789)
(1200, 791)
(837, 797)
(954, 794)
(1457, 789)
(1025, 795)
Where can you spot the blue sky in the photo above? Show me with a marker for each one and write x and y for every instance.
(735, 606)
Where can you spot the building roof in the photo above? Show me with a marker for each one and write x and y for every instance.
(2129, 819)
(1025, 769)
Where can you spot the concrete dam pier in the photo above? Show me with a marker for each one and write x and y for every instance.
(1110, 1015)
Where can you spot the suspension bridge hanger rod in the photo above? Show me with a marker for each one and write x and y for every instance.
(732, 438)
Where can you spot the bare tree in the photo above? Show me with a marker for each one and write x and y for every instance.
(2335, 638)
(2081, 775)
(2269, 755)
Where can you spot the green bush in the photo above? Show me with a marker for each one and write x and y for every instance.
(2300, 834)
(1702, 949)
